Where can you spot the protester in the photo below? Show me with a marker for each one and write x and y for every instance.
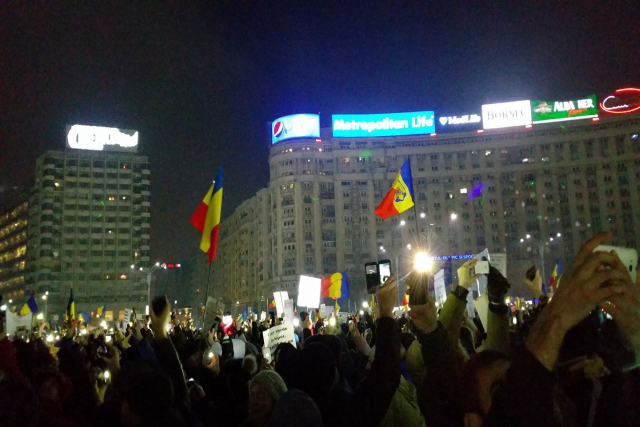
(557, 362)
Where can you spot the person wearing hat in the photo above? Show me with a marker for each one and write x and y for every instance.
(266, 389)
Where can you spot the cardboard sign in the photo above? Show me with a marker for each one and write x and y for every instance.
(275, 336)
(127, 315)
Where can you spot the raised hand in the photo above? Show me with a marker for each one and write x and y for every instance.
(387, 297)
(465, 280)
(424, 315)
(535, 285)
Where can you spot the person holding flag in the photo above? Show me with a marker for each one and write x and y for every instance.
(400, 197)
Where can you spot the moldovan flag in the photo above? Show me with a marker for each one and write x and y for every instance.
(71, 306)
(206, 218)
(29, 307)
(335, 286)
(400, 197)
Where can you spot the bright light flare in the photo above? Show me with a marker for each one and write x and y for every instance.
(422, 262)
(365, 304)
(296, 322)
(332, 321)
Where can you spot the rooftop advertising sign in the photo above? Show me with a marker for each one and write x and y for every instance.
(506, 114)
(458, 123)
(98, 138)
(295, 126)
(623, 101)
(560, 111)
(393, 124)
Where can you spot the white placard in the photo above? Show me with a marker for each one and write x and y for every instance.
(309, 292)
(15, 322)
(275, 336)
(439, 287)
(280, 298)
(263, 316)
(288, 310)
(499, 261)
(127, 315)
(482, 280)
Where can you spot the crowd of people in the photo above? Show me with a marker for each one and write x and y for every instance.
(573, 360)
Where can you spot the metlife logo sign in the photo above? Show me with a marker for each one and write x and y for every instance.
(506, 114)
(459, 123)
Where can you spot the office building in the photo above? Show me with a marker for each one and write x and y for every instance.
(13, 243)
(89, 223)
(534, 193)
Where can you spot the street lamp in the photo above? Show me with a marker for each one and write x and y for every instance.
(422, 215)
(46, 303)
(365, 304)
(453, 216)
(149, 276)
(403, 222)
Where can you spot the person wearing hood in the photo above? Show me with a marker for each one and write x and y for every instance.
(266, 389)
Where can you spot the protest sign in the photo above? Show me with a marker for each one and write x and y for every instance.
(288, 310)
(499, 261)
(16, 323)
(127, 315)
(263, 316)
(210, 312)
(482, 280)
(439, 287)
(275, 336)
(309, 292)
(280, 298)
(326, 311)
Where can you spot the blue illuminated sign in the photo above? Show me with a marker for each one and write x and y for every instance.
(295, 126)
(394, 124)
(451, 257)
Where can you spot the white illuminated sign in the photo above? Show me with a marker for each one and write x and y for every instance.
(506, 114)
(82, 137)
(309, 292)
(460, 120)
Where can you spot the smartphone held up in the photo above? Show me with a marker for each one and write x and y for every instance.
(377, 274)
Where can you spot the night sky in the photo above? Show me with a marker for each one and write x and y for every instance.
(200, 81)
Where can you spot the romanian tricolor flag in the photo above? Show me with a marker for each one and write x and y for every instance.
(29, 307)
(400, 197)
(272, 304)
(99, 311)
(556, 272)
(71, 307)
(335, 286)
(405, 301)
(206, 218)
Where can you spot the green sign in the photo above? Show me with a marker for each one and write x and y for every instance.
(559, 111)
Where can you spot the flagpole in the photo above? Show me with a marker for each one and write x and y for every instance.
(206, 298)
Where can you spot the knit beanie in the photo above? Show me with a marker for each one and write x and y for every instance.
(272, 384)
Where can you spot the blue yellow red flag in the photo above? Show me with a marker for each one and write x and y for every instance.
(29, 307)
(71, 306)
(335, 286)
(400, 197)
(206, 218)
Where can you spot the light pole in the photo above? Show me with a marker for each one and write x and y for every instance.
(541, 250)
(148, 272)
(46, 303)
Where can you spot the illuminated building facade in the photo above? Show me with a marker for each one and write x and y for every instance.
(558, 183)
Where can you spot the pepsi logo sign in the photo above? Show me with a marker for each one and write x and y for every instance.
(295, 126)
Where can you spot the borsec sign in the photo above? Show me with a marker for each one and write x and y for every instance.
(295, 126)
(506, 114)
(98, 138)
